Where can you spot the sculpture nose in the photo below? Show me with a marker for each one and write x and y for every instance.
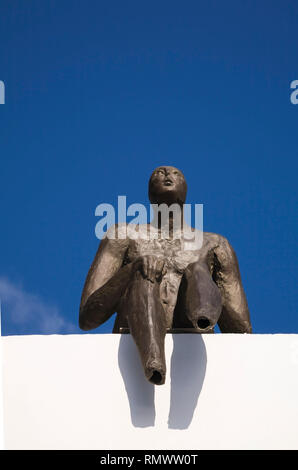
(168, 176)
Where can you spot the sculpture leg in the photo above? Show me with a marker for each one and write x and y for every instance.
(199, 302)
(146, 319)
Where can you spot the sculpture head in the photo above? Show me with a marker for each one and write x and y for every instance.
(167, 185)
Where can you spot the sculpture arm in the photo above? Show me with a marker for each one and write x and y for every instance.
(226, 274)
(106, 282)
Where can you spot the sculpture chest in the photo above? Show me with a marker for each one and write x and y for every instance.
(176, 260)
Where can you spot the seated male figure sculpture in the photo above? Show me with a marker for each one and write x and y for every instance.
(158, 283)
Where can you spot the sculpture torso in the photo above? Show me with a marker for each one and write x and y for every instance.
(178, 253)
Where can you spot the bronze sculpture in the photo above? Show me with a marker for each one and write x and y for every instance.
(157, 285)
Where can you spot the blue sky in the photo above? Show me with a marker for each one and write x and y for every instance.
(100, 93)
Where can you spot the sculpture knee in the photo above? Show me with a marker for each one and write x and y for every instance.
(140, 288)
(203, 303)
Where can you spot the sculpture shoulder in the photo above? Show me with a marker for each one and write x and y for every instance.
(116, 237)
(220, 245)
(215, 239)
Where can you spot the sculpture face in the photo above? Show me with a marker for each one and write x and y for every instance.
(167, 185)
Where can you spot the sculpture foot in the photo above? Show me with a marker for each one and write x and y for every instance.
(155, 373)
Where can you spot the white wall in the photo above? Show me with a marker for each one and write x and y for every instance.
(89, 392)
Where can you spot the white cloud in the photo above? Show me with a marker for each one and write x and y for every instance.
(26, 311)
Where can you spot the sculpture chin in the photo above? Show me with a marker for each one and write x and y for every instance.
(167, 194)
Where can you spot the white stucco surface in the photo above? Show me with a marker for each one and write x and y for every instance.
(88, 392)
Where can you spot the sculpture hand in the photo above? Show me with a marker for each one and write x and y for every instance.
(151, 267)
